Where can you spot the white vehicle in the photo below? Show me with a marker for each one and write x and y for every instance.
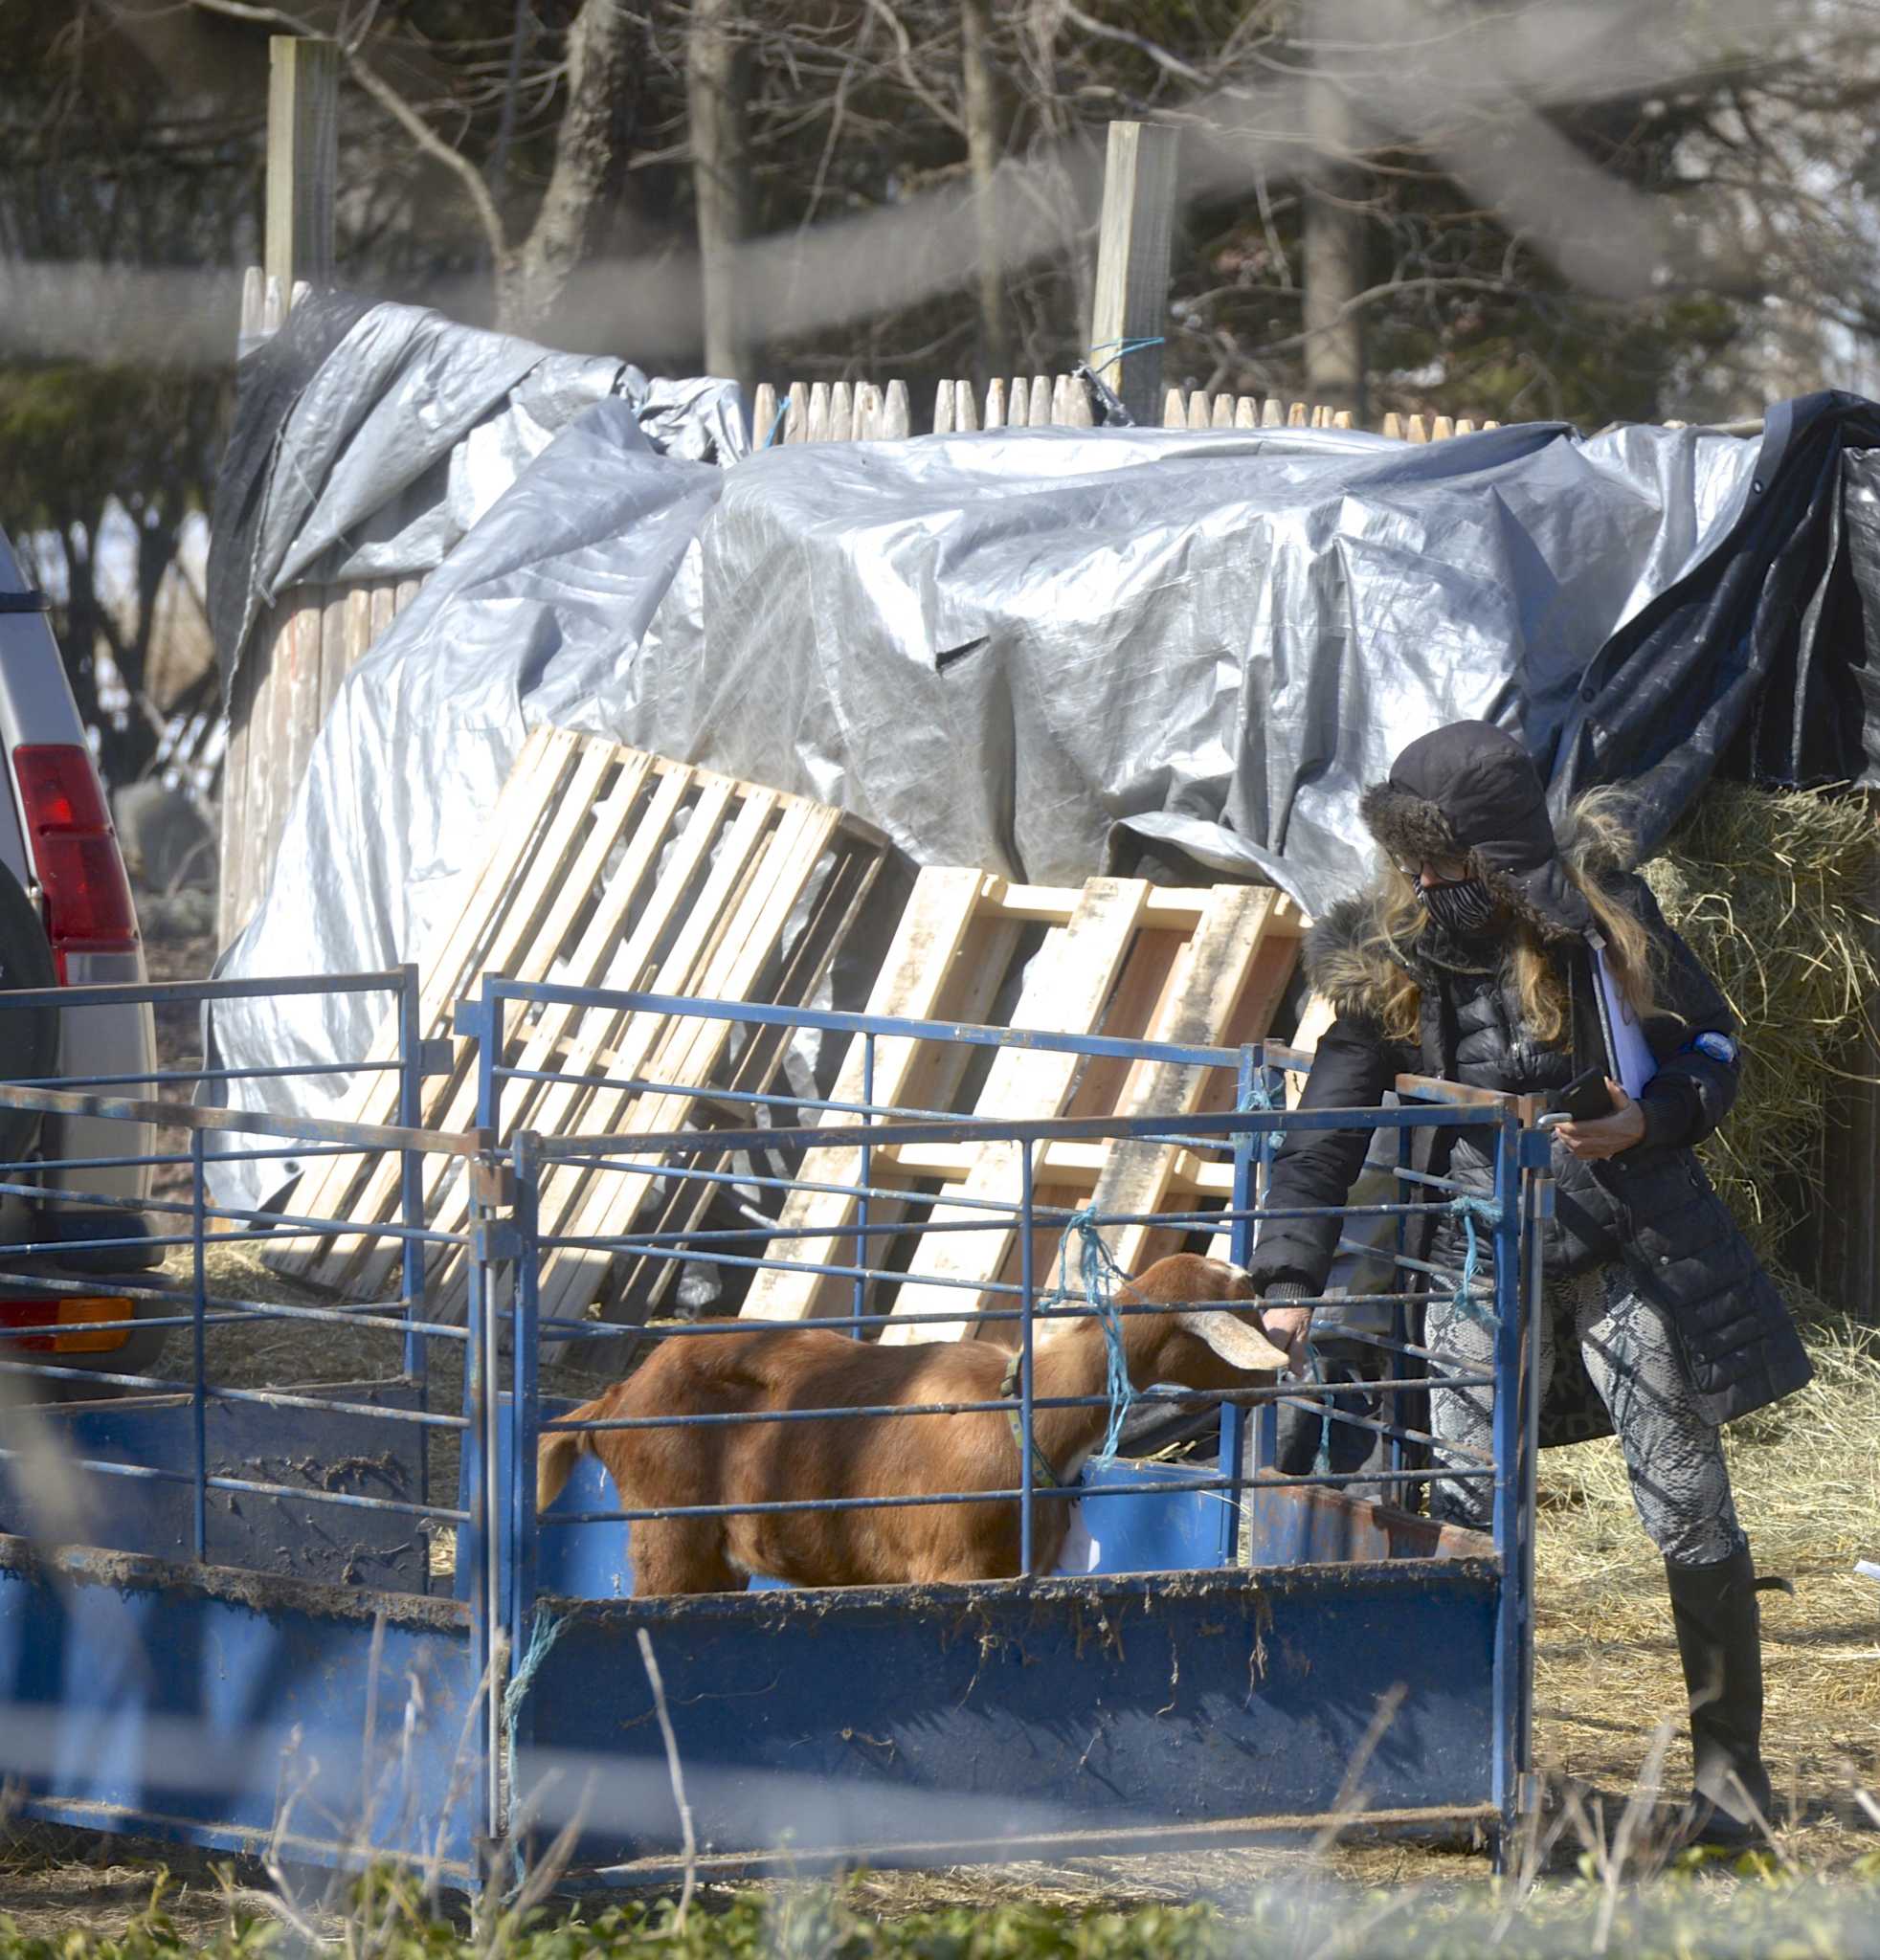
(66, 919)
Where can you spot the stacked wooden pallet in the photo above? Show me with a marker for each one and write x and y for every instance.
(607, 868)
(1120, 958)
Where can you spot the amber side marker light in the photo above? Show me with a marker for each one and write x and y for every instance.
(67, 1326)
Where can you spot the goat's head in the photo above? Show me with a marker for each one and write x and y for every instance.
(1211, 1346)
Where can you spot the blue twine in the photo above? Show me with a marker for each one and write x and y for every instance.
(542, 1636)
(1122, 350)
(1463, 1301)
(783, 409)
(1098, 1268)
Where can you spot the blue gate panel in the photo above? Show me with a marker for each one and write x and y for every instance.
(322, 1449)
(865, 1719)
(196, 1702)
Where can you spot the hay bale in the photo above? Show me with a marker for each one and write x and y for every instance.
(1773, 892)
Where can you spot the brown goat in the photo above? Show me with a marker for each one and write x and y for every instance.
(767, 1367)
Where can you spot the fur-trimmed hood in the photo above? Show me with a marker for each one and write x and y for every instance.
(1470, 791)
(1351, 961)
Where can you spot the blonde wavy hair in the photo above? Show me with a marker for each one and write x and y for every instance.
(1603, 844)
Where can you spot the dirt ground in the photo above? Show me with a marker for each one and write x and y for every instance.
(1807, 1479)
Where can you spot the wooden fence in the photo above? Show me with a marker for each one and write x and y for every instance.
(863, 412)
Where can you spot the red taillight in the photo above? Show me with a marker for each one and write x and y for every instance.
(75, 853)
(82, 1313)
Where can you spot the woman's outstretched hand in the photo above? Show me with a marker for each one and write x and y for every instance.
(1605, 1136)
(1287, 1327)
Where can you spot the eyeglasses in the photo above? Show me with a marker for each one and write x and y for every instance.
(1450, 871)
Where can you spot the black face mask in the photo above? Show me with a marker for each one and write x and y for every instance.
(1465, 908)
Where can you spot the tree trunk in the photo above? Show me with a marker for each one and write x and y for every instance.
(1334, 253)
(980, 102)
(716, 68)
(591, 156)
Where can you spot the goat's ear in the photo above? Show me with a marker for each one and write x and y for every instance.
(1237, 1344)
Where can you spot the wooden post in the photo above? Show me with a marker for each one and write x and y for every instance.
(304, 94)
(1132, 263)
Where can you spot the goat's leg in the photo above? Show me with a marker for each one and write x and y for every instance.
(682, 1556)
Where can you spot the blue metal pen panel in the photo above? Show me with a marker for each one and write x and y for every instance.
(866, 1719)
(195, 1701)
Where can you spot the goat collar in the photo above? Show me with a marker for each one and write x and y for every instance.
(1042, 1472)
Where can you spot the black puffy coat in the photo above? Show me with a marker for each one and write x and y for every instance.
(1651, 1207)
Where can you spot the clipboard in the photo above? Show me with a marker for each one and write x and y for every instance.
(1628, 1054)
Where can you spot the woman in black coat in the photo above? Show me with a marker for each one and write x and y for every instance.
(1470, 959)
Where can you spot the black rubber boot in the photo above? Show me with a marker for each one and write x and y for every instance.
(1720, 1643)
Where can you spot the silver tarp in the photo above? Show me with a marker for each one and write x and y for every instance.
(1029, 650)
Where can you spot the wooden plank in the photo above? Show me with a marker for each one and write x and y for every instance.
(1297, 416)
(303, 707)
(1074, 1165)
(796, 422)
(1203, 998)
(1078, 412)
(1039, 414)
(232, 901)
(1272, 415)
(1052, 905)
(1394, 426)
(332, 648)
(638, 1282)
(1134, 237)
(867, 412)
(1246, 412)
(841, 413)
(913, 977)
(994, 403)
(602, 1038)
(1067, 987)
(817, 425)
(1442, 428)
(384, 608)
(268, 739)
(1224, 410)
(571, 1276)
(763, 413)
(966, 409)
(1417, 430)
(534, 781)
(897, 412)
(249, 327)
(1174, 409)
(510, 897)
(302, 159)
(942, 408)
(613, 817)
(1200, 409)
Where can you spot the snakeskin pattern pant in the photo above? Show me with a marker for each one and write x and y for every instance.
(1680, 1482)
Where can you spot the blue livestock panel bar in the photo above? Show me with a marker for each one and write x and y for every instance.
(216, 1611)
(1239, 1641)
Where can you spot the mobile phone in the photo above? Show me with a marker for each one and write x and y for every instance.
(1583, 1099)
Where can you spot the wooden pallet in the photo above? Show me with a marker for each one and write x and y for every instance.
(609, 868)
(1119, 957)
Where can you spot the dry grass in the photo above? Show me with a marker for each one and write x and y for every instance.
(1775, 893)
(1806, 1477)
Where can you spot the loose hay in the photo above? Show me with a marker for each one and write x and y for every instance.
(1775, 893)
(1807, 1488)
